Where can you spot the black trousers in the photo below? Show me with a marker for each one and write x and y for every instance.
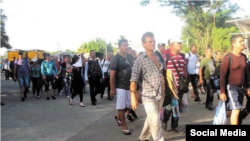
(106, 84)
(95, 85)
(210, 92)
(168, 110)
(36, 85)
(193, 80)
(7, 74)
(77, 86)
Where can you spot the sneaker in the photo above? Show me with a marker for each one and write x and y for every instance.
(130, 118)
(68, 97)
(53, 97)
(177, 130)
(82, 105)
(47, 98)
(133, 114)
(60, 94)
(38, 97)
(210, 108)
(93, 103)
(23, 99)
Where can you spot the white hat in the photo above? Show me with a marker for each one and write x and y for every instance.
(174, 40)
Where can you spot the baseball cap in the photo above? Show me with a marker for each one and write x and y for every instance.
(174, 40)
(20, 53)
(161, 44)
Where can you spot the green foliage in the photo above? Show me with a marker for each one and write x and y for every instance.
(4, 36)
(70, 51)
(221, 38)
(205, 22)
(98, 45)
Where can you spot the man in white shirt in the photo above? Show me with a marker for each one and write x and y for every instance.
(191, 59)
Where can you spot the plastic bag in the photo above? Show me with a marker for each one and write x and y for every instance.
(220, 117)
(184, 103)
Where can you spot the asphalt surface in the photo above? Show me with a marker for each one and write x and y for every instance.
(55, 120)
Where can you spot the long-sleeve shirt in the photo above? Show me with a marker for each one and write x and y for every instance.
(238, 75)
(48, 68)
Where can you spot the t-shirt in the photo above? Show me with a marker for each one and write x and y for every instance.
(238, 75)
(208, 67)
(123, 68)
(177, 59)
(22, 67)
(192, 59)
(64, 70)
(35, 71)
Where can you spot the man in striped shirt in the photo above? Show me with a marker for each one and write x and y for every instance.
(179, 61)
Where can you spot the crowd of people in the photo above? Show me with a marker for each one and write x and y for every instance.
(157, 79)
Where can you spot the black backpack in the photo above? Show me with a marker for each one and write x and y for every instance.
(94, 70)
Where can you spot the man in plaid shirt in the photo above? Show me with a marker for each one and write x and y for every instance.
(150, 67)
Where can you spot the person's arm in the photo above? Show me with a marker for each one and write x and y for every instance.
(15, 69)
(202, 66)
(42, 70)
(54, 67)
(223, 74)
(247, 79)
(133, 84)
(113, 67)
(102, 70)
(83, 60)
(86, 72)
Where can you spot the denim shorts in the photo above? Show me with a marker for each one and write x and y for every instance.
(23, 81)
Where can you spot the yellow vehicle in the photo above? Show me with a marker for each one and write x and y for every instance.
(32, 53)
(14, 53)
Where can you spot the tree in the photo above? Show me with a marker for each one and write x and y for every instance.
(70, 51)
(4, 39)
(200, 18)
(98, 45)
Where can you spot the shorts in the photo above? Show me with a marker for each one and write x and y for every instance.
(235, 97)
(51, 80)
(123, 99)
(23, 81)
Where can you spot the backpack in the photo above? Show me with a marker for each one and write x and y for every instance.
(94, 69)
(216, 77)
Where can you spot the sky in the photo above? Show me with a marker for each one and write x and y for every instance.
(65, 24)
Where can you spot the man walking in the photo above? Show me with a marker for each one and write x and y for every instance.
(234, 84)
(149, 66)
(120, 74)
(191, 59)
(94, 76)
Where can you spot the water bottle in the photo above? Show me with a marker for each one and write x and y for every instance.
(175, 107)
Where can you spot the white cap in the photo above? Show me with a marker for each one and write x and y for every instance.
(174, 40)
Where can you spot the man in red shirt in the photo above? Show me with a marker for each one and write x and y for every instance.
(234, 84)
(173, 53)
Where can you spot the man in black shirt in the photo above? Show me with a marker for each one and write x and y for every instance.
(120, 74)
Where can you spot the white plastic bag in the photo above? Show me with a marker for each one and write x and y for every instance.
(184, 103)
(220, 117)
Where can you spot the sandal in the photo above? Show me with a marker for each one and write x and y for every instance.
(118, 121)
(126, 132)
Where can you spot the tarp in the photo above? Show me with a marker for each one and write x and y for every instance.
(243, 25)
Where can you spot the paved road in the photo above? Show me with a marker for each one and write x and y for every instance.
(56, 120)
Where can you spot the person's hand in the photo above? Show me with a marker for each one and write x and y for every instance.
(134, 101)
(57, 77)
(44, 77)
(201, 82)
(112, 93)
(223, 97)
(248, 91)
